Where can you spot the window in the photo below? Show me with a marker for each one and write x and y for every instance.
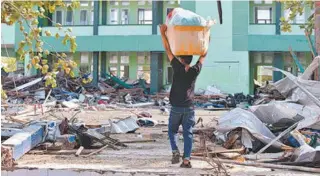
(84, 3)
(124, 65)
(124, 59)
(141, 2)
(268, 1)
(85, 65)
(300, 18)
(114, 16)
(124, 16)
(144, 66)
(115, 3)
(92, 17)
(263, 15)
(125, 3)
(69, 20)
(171, 2)
(83, 17)
(59, 16)
(113, 59)
(257, 1)
(124, 71)
(286, 14)
(169, 10)
(144, 16)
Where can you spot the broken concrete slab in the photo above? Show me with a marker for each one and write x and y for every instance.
(23, 142)
(70, 104)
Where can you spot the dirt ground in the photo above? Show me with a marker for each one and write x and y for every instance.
(152, 157)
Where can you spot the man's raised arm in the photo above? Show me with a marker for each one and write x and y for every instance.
(163, 30)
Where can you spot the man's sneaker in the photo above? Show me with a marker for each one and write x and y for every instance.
(186, 165)
(175, 158)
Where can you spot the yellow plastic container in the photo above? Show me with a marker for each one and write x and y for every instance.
(188, 40)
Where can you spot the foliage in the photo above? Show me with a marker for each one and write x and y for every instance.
(9, 64)
(27, 14)
(297, 7)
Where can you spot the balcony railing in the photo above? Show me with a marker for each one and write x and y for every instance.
(263, 21)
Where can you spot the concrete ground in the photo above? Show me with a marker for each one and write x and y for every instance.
(151, 158)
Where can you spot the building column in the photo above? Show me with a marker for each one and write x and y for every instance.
(156, 71)
(103, 65)
(95, 71)
(104, 13)
(156, 57)
(278, 63)
(278, 16)
(157, 15)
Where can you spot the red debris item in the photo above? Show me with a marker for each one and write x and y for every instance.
(102, 102)
(145, 114)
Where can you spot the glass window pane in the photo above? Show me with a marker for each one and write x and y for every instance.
(83, 17)
(141, 59)
(124, 16)
(144, 16)
(268, 1)
(125, 59)
(92, 17)
(141, 2)
(59, 16)
(257, 1)
(263, 15)
(84, 3)
(125, 3)
(286, 14)
(171, 2)
(114, 16)
(148, 58)
(300, 18)
(114, 3)
(69, 17)
(113, 59)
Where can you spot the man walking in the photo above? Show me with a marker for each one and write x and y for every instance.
(181, 99)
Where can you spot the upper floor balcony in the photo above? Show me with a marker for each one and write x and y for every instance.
(263, 16)
(115, 17)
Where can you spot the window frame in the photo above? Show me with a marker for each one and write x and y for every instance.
(128, 16)
(256, 9)
(122, 3)
(62, 21)
(117, 17)
(86, 19)
(143, 21)
(72, 18)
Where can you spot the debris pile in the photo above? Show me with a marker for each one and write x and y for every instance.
(73, 93)
(284, 132)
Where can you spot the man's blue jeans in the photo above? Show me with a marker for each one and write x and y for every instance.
(185, 117)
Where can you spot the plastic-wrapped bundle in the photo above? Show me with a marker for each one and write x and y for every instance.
(182, 17)
(188, 33)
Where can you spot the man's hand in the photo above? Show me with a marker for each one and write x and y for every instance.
(206, 51)
(163, 29)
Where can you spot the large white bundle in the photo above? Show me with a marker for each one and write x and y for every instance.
(182, 17)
